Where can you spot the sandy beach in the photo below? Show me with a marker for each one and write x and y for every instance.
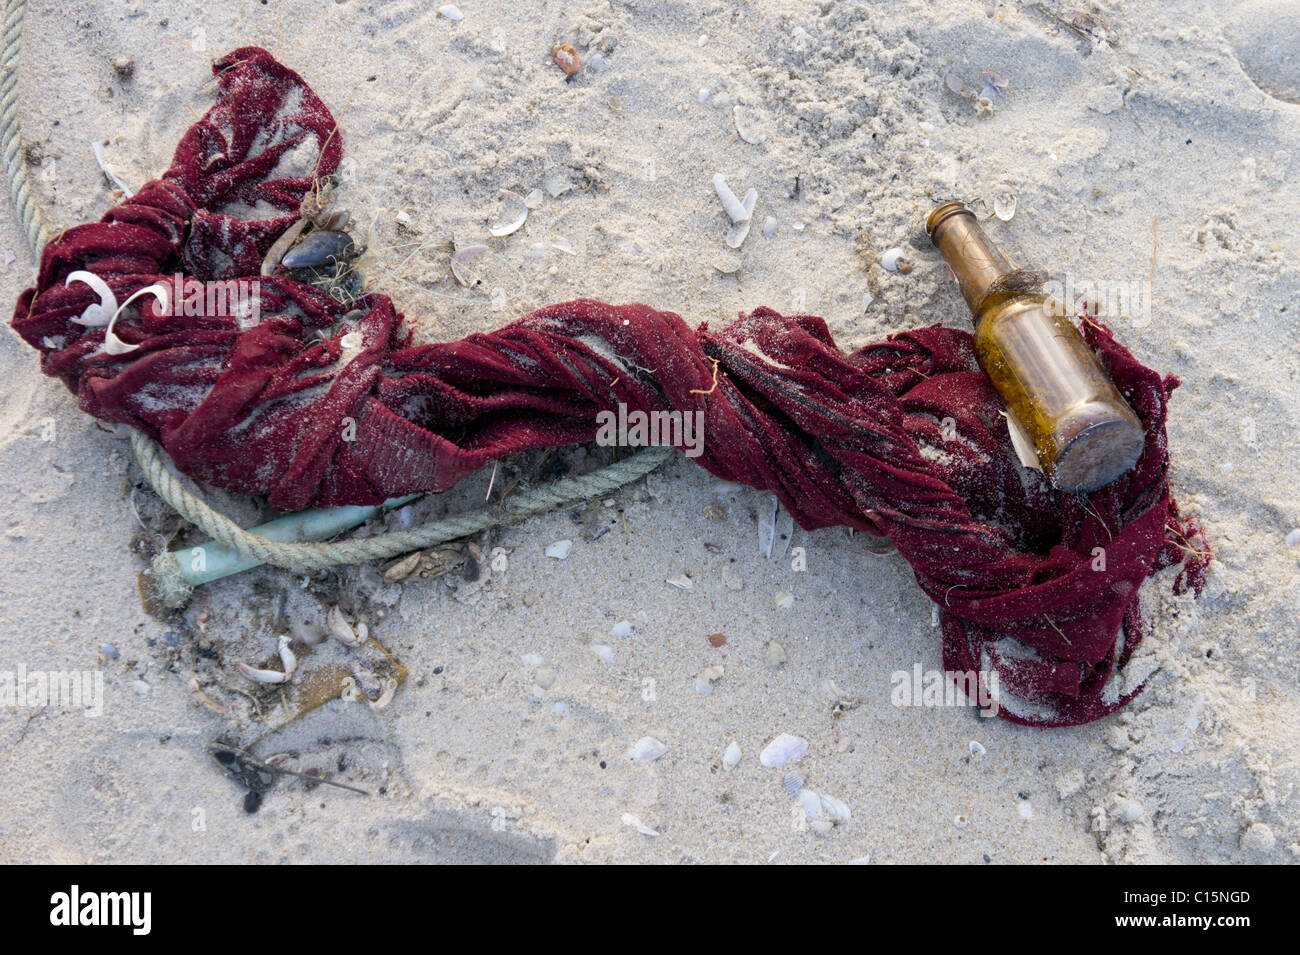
(1131, 142)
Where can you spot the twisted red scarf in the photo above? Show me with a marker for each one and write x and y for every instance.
(267, 408)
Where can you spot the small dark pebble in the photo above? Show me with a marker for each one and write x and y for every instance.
(252, 801)
(437, 671)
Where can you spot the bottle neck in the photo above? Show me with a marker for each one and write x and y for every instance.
(981, 269)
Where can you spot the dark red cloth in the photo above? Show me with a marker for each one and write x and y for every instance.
(270, 408)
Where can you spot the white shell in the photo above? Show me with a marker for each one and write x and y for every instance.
(977, 748)
(534, 199)
(731, 758)
(1293, 538)
(837, 809)
(511, 218)
(647, 748)
(730, 202)
(1004, 206)
(603, 651)
(784, 599)
(793, 782)
(681, 583)
(340, 629)
(623, 628)
(630, 820)
(451, 12)
(99, 314)
(770, 227)
(810, 803)
(786, 748)
(462, 263)
(262, 676)
(560, 549)
(892, 257)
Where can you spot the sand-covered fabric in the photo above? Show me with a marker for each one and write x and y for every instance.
(316, 403)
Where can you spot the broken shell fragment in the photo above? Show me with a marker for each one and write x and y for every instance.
(566, 58)
(342, 631)
(735, 208)
(463, 264)
(514, 211)
(1004, 206)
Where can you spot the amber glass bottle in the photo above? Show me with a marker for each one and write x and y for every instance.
(1082, 429)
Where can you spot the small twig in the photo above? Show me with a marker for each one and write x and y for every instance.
(1058, 630)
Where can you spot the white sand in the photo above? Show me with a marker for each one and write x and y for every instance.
(862, 136)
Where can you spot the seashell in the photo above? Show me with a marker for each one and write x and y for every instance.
(603, 651)
(977, 748)
(623, 628)
(544, 677)
(1293, 538)
(785, 748)
(681, 582)
(534, 198)
(99, 313)
(108, 651)
(837, 810)
(770, 227)
(566, 58)
(560, 549)
(403, 568)
(784, 599)
(262, 676)
(451, 12)
(1004, 206)
(793, 783)
(647, 749)
(810, 803)
(385, 695)
(287, 657)
(749, 124)
(462, 264)
(731, 758)
(340, 629)
(323, 247)
(630, 820)
(514, 211)
(734, 207)
(893, 260)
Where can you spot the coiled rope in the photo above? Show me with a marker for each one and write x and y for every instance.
(170, 582)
